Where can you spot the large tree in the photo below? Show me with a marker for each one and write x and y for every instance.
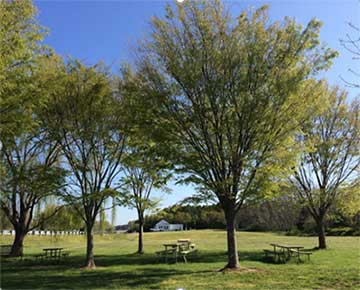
(326, 173)
(83, 118)
(231, 92)
(30, 173)
(29, 159)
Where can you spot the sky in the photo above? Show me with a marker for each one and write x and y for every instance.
(107, 31)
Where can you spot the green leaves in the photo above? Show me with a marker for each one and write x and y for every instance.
(330, 138)
(144, 170)
(230, 94)
(20, 51)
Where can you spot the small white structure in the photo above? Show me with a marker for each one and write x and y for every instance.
(163, 226)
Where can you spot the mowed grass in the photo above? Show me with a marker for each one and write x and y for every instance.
(119, 268)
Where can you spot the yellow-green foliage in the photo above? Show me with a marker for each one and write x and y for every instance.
(20, 47)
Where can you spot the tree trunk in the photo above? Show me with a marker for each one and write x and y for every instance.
(17, 246)
(90, 262)
(140, 244)
(321, 234)
(233, 257)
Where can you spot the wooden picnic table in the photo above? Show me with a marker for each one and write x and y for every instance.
(180, 248)
(52, 253)
(286, 251)
(286, 247)
(170, 251)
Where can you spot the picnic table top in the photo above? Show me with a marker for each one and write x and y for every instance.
(287, 246)
(184, 241)
(52, 249)
(171, 244)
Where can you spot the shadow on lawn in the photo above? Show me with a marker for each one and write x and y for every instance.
(68, 273)
(152, 259)
(149, 278)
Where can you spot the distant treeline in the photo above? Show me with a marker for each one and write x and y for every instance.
(281, 214)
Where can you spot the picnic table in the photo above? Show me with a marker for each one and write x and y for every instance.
(53, 253)
(50, 253)
(181, 248)
(285, 252)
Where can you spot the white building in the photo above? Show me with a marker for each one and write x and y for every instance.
(163, 225)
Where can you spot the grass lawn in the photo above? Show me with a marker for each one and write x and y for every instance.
(118, 267)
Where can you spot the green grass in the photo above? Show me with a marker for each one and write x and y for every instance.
(118, 267)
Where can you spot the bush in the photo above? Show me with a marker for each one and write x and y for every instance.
(343, 231)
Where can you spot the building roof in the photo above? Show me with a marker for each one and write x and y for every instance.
(163, 221)
(122, 227)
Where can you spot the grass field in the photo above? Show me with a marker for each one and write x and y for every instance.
(119, 268)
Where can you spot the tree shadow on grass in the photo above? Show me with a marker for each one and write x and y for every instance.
(76, 262)
(149, 278)
(143, 271)
(152, 259)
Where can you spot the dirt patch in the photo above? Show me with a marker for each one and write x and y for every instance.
(240, 270)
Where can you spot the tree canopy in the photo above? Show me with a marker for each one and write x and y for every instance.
(232, 92)
(20, 49)
(83, 118)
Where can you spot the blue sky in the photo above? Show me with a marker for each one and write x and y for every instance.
(108, 30)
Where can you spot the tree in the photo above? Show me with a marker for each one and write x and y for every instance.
(83, 118)
(29, 159)
(230, 93)
(31, 173)
(20, 47)
(143, 172)
(326, 172)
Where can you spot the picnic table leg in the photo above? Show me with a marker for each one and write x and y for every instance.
(284, 256)
(288, 255)
(276, 256)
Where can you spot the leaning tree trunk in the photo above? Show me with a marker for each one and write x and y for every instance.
(90, 262)
(17, 246)
(141, 231)
(321, 233)
(233, 257)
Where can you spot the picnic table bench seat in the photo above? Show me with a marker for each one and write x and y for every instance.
(298, 254)
(165, 252)
(285, 252)
(40, 256)
(182, 248)
(168, 253)
(191, 250)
